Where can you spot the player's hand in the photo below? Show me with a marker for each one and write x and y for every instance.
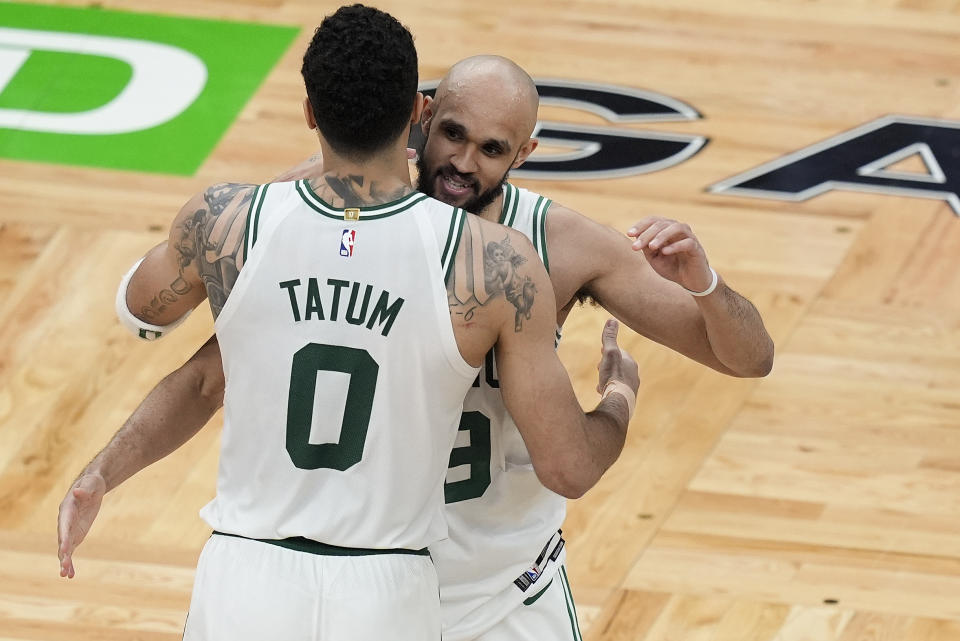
(615, 363)
(78, 510)
(673, 251)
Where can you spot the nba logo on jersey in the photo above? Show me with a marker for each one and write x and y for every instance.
(347, 239)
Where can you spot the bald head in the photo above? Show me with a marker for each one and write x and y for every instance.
(476, 130)
(494, 82)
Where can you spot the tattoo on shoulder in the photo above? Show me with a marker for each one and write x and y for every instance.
(212, 243)
(492, 268)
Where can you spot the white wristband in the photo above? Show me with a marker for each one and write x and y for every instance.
(619, 387)
(708, 290)
(137, 327)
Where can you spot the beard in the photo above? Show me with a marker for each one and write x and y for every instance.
(426, 179)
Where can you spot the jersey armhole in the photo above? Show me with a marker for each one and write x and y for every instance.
(454, 234)
(253, 220)
(251, 233)
(540, 229)
(447, 338)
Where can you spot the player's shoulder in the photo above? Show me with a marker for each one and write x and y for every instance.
(219, 198)
(212, 207)
(563, 219)
(503, 236)
(571, 229)
(224, 196)
(558, 216)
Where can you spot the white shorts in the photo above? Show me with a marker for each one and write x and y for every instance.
(548, 615)
(248, 590)
(536, 606)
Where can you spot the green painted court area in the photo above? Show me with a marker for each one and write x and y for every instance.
(121, 90)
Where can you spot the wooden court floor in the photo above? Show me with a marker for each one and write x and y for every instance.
(821, 503)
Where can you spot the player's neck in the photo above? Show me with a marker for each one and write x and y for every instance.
(492, 211)
(350, 183)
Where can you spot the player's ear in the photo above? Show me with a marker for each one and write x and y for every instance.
(308, 114)
(417, 114)
(525, 150)
(428, 110)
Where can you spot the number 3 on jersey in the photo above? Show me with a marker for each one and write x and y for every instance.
(476, 455)
(363, 371)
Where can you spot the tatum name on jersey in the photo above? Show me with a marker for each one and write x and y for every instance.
(328, 297)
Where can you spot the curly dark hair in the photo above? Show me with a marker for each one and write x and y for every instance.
(360, 72)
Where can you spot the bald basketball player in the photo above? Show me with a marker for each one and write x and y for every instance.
(502, 569)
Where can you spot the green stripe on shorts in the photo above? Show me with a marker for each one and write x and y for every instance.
(571, 608)
(301, 544)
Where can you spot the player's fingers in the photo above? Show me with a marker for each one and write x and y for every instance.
(671, 232)
(610, 354)
(66, 568)
(688, 245)
(65, 554)
(64, 539)
(411, 153)
(608, 338)
(64, 519)
(648, 234)
(641, 225)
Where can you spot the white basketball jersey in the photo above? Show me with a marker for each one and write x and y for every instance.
(344, 383)
(499, 515)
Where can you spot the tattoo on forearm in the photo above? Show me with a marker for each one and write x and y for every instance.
(501, 267)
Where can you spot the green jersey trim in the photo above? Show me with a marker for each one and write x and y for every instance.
(445, 254)
(514, 204)
(446, 247)
(372, 212)
(540, 229)
(571, 608)
(543, 234)
(258, 198)
(453, 242)
(246, 226)
(509, 196)
(301, 544)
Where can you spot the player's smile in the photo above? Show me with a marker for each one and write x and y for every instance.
(453, 187)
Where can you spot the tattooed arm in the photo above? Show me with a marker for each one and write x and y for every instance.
(201, 258)
(498, 284)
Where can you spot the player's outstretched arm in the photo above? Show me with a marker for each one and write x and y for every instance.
(644, 285)
(570, 450)
(168, 417)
